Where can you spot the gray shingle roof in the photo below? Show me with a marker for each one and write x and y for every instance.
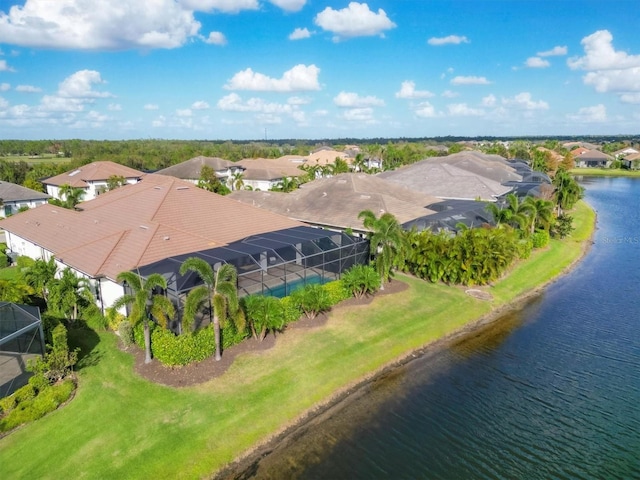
(10, 192)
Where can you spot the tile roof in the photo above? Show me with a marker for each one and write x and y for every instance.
(273, 168)
(93, 172)
(190, 169)
(141, 223)
(10, 192)
(337, 201)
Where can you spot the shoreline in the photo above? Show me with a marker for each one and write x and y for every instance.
(246, 464)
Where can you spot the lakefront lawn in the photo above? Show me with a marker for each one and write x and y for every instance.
(122, 426)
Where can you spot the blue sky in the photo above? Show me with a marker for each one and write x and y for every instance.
(310, 69)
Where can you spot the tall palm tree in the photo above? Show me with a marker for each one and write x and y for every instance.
(144, 304)
(219, 292)
(72, 195)
(69, 293)
(519, 213)
(39, 275)
(237, 181)
(567, 191)
(387, 242)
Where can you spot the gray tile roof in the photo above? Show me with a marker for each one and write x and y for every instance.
(10, 192)
(190, 169)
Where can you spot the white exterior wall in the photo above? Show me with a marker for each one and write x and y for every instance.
(15, 206)
(54, 191)
(109, 292)
(263, 185)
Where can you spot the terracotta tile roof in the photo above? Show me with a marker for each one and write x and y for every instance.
(93, 172)
(337, 201)
(141, 223)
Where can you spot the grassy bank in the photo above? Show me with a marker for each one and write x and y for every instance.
(605, 172)
(121, 426)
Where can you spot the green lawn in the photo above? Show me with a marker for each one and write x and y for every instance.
(607, 172)
(47, 158)
(120, 426)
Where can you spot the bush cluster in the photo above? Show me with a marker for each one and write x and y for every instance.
(171, 349)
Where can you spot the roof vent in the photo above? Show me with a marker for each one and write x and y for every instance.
(144, 227)
(182, 188)
(167, 237)
(75, 172)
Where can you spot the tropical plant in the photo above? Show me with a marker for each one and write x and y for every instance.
(237, 181)
(562, 227)
(209, 181)
(264, 314)
(115, 181)
(312, 299)
(58, 362)
(387, 243)
(219, 293)
(519, 213)
(71, 196)
(361, 280)
(39, 274)
(68, 294)
(15, 291)
(567, 191)
(540, 213)
(144, 304)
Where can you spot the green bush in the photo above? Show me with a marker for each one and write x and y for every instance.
(540, 239)
(361, 280)
(34, 408)
(525, 247)
(337, 292)
(231, 336)
(125, 330)
(8, 403)
(171, 349)
(39, 382)
(291, 310)
(312, 299)
(563, 226)
(25, 393)
(114, 318)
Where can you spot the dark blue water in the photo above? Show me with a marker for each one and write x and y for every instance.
(548, 392)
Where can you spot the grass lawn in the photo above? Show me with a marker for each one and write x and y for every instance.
(121, 426)
(33, 160)
(607, 172)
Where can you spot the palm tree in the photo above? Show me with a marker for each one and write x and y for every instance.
(519, 213)
(567, 192)
(219, 291)
(500, 214)
(540, 213)
(39, 275)
(144, 304)
(68, 293)
(387, 242)
(72, 195)
(237, 181)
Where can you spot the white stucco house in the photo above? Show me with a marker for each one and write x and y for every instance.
(16, 197)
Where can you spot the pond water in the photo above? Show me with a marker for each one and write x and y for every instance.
(550, 391)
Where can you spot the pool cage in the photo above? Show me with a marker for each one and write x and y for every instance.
(21, 339)
(274, 263)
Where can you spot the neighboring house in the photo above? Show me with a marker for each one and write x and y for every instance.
(15, 197)
(468, 175)
(592, 159)
(266, 173)
(92, 178)
(625, 152)
(190, 169)
(153, 225)
(336, 202)
(632, 162)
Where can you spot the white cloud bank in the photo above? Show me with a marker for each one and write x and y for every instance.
(408, 90)
(449, 40)
(472, 80)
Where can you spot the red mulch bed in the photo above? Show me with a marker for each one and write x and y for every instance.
(205, 370)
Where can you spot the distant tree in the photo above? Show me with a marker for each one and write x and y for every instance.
(209, 181)
(115, 181)
(340, 166)
(237, 181)
(567, 191)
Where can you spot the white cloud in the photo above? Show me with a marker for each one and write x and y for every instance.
(630, 98)
(462, 110)
(151, 106)
(299, 78)
(600, 54)
(52, 103)
(625, 81)
(450, 94)
(234, 103)
(159, 122)
(4, 87)
(555, 51)
(489, 101)
(226, 6)
(28, 89)
(425, 110)
(4, 66)
(523, 101)
(298, 101)
(200, 105)
(299, 34)
(408, 90)
(594, 114)
(537, 62)
(216, 38)
(460, 80)
(114, 107)
(356, 20)
(80, 85)
(184, 112)
(359, 115)
(353, 100)
(95, 24)
(449, 40)
(289, 5)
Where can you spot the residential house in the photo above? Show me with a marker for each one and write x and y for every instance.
(266, 173)
(92, 178)
(632, 162)
(14, 198)
(189, 170)
(591, 158)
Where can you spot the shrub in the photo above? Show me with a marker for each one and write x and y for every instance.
(171, 349)
(290, 309)
(563, 226)
(93, 317)
(58, 362)
(114, 318)
(231, 335)
(312, 300)
(540, 239)
(39, 382)
(525, 247)
(337, 292)
(361, 280)
(25, 393)
(125, 331)
(265, 313)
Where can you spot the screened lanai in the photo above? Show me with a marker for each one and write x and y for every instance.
(21, 339)
(274, 263)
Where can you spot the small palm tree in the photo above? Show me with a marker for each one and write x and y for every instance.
(387, 242)
(540, 213)
(72, 195)
(237, 181)
(219, 292)
(144, 304)
(39, 275)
